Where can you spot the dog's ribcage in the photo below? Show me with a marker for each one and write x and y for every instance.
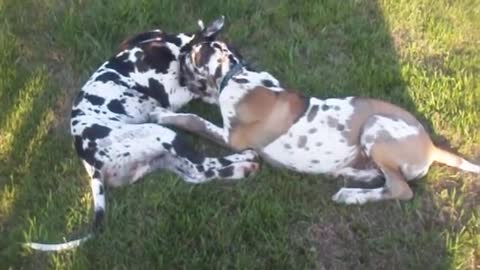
(315, 143)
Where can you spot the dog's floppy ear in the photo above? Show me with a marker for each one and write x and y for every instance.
(212, 29)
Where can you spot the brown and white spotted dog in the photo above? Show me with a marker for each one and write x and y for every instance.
(354, 137)
(112, 131)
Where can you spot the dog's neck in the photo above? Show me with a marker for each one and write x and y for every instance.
(237, 68)
(252, 101)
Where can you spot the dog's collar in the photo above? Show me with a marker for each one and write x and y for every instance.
(232, 72)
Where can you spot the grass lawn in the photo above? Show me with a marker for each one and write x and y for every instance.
(421, 54)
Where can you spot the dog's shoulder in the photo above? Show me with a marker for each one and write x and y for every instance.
(262, 102)
(263, 115)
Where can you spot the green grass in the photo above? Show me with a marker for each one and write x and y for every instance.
(423, 55)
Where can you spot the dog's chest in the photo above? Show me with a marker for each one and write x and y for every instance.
(317, 142)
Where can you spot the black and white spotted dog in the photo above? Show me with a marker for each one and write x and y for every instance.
(110, 115)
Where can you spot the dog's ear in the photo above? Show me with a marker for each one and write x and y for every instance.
(212, 30)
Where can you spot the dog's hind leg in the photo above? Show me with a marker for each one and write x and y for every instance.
(194, 167)
(396, 186)
(162, 148)
(400, 149)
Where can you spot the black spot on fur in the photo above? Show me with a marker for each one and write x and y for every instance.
(218, 72)
(101, 190)
(241, 80)
(209, 173)
(167, 146)
(121, 64)
(315, 161)
(96, 111)
(312, 113)
(203, 56)
(75, 122)
(224, 161)
(111, 76)
(95, 132)
(226, 172)
(92, 145)
(77, 112)
(287, 146)
(325, 107)
(312, 130)
(158, 58)
(99, 213)
(116, 106)
(156, 91)
(267, 83)
(200, 168)
(141, 65)
(126, 154)
(340, 127)
(172, 39)
(184, 150)
(113, 119)
(102, 153)
(87, 154)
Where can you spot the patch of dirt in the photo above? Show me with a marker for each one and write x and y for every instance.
(401, 39)
(336, 246)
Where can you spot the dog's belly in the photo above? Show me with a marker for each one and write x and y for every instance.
(314, 158)
(317, 142)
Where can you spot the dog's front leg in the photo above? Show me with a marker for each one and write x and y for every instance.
(191, 123)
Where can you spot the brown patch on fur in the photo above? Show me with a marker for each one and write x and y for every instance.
(365, 108)
(264, 115)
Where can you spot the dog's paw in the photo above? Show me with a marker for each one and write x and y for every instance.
(159, 115)
(239, 170)
(248, 168)
(250, 155)
(350, 196)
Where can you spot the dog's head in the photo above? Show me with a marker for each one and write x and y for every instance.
(204, 66)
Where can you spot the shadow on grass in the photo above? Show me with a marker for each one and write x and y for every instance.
(276, 220)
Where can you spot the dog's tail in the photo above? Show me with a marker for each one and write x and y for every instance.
(98, 191)
(453, 160)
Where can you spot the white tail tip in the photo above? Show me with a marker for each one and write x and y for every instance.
(58, 247)
(201, 25)
(469, 167)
